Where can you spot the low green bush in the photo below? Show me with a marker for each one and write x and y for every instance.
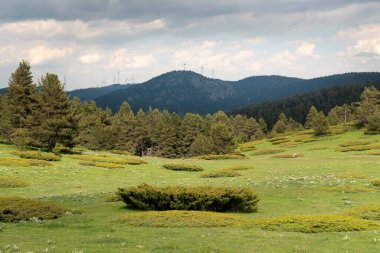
(203, 198)
(221, 157)
(368, 212)
(347, 189)
(221, 173)
(314, 223)
(351, 175)
(177, 218)
(375, 182)
(121, 152)
(13, 209)
(359, 147)
(102, 165)
(267, 151)
(36, 155)
(354, 143)
(18, 162)
(108, 159)
(9, 182)
(182, 167)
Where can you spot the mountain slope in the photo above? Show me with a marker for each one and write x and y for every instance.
(186, 91)
(92, 93)
(298, 106)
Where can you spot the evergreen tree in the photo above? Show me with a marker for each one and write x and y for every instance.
(281, 124)
(52, 118)
(21, 99)
(124, 122)
(310, 118)
(192, 125)
(222, 137)
(141, 134)
(5, 119)
(263, 125)
(368, 105)
(373, 125)
(202, 145)
(320, 124)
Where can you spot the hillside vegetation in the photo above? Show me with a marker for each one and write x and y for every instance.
(326, 196)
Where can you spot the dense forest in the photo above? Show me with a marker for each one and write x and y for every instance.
(45, 117)
(298, 106)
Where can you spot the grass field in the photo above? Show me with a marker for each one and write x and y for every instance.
(323, 180)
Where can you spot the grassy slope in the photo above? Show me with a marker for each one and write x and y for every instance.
(285, 187)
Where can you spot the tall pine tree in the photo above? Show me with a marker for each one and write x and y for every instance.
(52, 117)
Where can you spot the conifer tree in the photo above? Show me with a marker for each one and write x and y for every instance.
(5, 119)
(281, 124)
(320, 124)
(192, 125)
(52, 117)
(311, 116)
(124, 122)
(141, 134)
(222, 137)
(21, 99)
(263, 125)
(368, 105)
(202, 145)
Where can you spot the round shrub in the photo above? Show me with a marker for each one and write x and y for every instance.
(182, 167)
(203, 198)
(13, 209)
(8, 182)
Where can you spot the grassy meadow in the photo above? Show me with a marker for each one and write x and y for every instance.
(294, 174)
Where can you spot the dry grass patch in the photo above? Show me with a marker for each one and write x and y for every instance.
(314, 223)
(267, 151)
(351, 175)
(13, 209)
(182, 167)
(176, 218)
(221, 173)
(9, 182)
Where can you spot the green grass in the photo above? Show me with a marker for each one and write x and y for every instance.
(286, 187)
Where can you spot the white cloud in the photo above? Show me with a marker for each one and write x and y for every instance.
(89, 58)
(121, 58)
(306, 49)
(41, 54)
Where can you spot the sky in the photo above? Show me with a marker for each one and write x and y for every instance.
(100, 42)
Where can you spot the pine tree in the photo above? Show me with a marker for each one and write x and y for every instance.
(21, 99)
(123, 123)
(222, 137)
(281, 124)
(52, 118)
(141, 134)
(192, 125)
(202, 145)
(320, 124)
(311, 116)
(368, 105)
(263, 125)
(5, 119)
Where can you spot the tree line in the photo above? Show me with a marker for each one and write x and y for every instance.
(43, 116)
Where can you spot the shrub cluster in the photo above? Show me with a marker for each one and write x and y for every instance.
(354, 143)
(102, 165)
(204, 198)
(375, 182)
(8, 182)
(359, 147)
(369, 212)
(347, 189)
(108, 159)
(221, 157)
(11, 161)
(182, 167)
(267, 151)
(13, 209)
(351, 175)
(177, 218)
(37, 155)
(221, 173)
(314, 223)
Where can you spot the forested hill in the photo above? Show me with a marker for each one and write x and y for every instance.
(186, 91)
(298, 106)
(92, 93)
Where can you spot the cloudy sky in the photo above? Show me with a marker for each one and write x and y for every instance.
(95, 42)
